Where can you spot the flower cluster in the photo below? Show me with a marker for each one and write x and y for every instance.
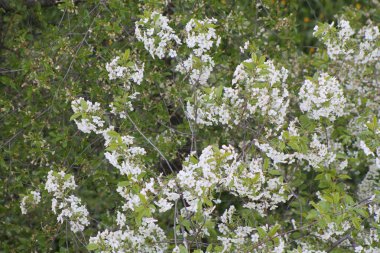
(156, 34)
(200, 38)
(131, 71)
(305, 248)
(354, 54)
(147, 238)
(369, 184)
(215, 108)
(265, 86)
(122, 155)
(120, 152)
(90, 112)
(68, 206)
(333, 231)
(322, 98)
(244, 238)
(348, 44)
(135, 198)
(319, 151)
(258, 87)
(31, 199)
(370, 240)
(219, 170)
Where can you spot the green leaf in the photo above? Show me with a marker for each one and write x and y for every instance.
(123, 184)
(275, 172)
(126, 54)
(273, 230)
(312, 215)
(75, 115)
(193, 160)
(306, 123)
(261, 232)
(182, 249)
(92, 246)
(356, 221)
(344, 176)
(361, 212)
(84, 105)
(219, 91)
(113, 134)
(67, 176)
(266, 163)
(186, 224)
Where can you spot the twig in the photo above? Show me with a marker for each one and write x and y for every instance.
(150, 142)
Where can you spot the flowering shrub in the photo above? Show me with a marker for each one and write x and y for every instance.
(196, 126)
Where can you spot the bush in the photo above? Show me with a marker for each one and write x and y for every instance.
(190, 126)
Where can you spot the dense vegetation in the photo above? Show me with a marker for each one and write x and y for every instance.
(189, 126)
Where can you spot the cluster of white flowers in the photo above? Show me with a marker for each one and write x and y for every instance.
(130, 71)
(169, 194)
(323, 98)
(147, 238)
(200, 37)
(369, 184)
(319, 151)
(305, 248)
(267, 193)
(209, 110)
(367, 151)
(31, 199)
(258, 87)
(333, 231)
(199, 177)
(370, 249)
(371, 148)
(121, 154)
(354, 54)
(71, 209)
(234, 239)
(276, 156)
(133, 199)
(219, 170)
(369, 240)
(124, 157)
(265, 89)
(335, 49)
(156, 34)
(374, 209)
(90, 112)
(127, 159)
(59, 183)
(68, 206)
(217, 106)
(338, 42)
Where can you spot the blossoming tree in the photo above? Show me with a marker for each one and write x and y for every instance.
(218, 139)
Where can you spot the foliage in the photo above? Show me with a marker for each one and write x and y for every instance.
(190, 126)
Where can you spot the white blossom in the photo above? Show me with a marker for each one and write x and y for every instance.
(68, 207)
(158, 37)
(322, 98)
(33, 199)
